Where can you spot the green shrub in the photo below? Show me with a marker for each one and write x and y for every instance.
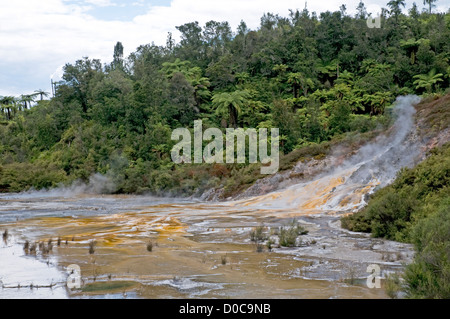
(429, 275)
(288, 234)
(257, 234)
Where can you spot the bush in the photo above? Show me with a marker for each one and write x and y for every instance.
(429, 275)
(393, 285)
(92, 245)
(288, 235)
(257, 234)
(38, 175)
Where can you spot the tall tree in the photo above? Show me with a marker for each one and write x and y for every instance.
(217, 36)
(299, 81)
(414, 12)
(42, 93)
(181, 98)
(230, 104)
(430, 4)
(118, 56)
(27, 99)
(191, 44)
(361, 11)
(79, 76)
(395, 5)
(7, 105)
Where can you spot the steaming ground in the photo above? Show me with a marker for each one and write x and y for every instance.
(389, 153)
(345, 188)
(97, 184)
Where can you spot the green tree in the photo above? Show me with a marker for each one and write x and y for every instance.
(283, 117)
(299, 81)
(395, 5)
(42, 93)
(80, 78)
(192, 43)
(181, 99)
(377, 102)
(117, 62)
(192, 74)
(430, 4)
(230, 104)
(7, 103)
(27, 99)
(328, 72)
(361, 12)
(217, 36)
(427, 81)
(221, 72)
(178, 66)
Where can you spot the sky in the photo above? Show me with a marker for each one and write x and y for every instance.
(37, 38)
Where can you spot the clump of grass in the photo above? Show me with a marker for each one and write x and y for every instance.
(33, 248)
(393, 286)
(224, 260)
(257, 236)
(108, 286)
(26, 246)
(270, 244)
(92, 245)
(352, 276)
(44, 249)
(288, 235)
(150, 246)
(50, 245)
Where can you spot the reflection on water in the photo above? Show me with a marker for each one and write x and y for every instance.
(27, 277)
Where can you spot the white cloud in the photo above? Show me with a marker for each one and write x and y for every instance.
(100, 3)
(37, 37)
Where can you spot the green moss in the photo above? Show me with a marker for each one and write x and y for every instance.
(108, 286)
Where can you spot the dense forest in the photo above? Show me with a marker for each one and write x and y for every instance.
(319, 78)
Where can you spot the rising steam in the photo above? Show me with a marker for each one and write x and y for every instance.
(383, 158)
(343, 187)
(98, 184)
